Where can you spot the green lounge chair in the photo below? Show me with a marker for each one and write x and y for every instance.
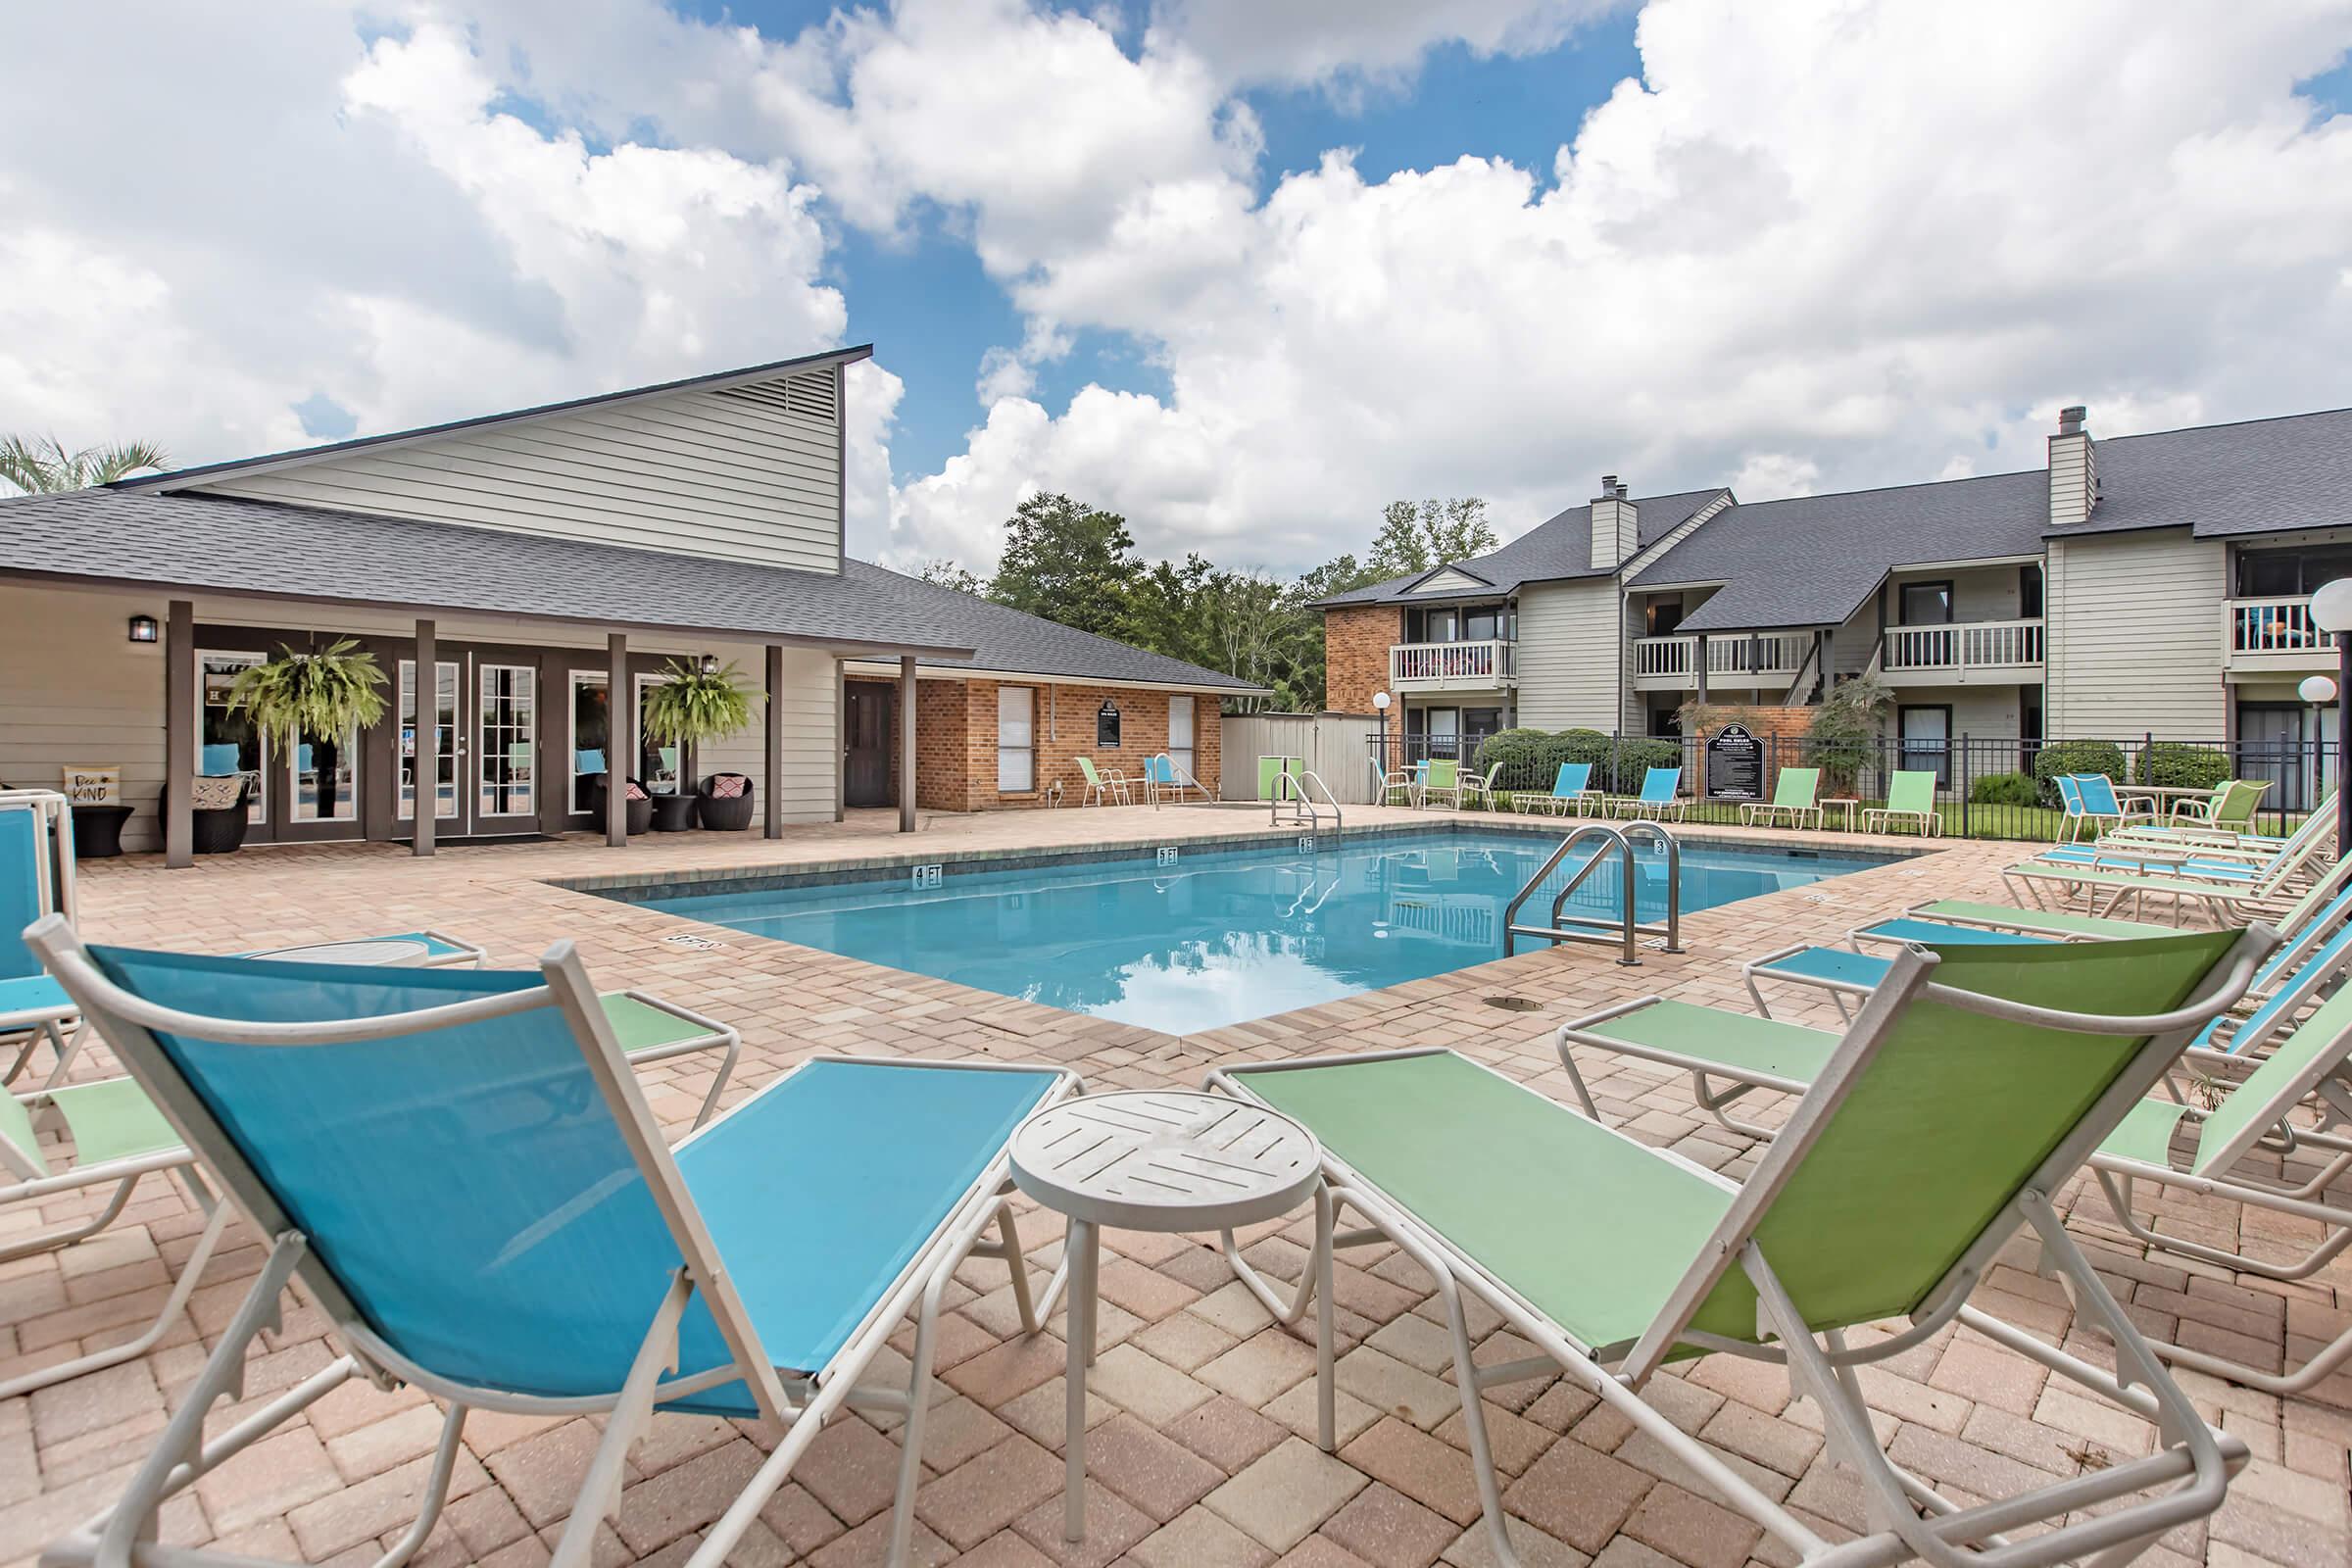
(458, 1166)
(1944, 1120)
(2231, 811)
(1910, 798)
(1792, 797)
(1442, 777)
(2040, 922)
(1103, 785)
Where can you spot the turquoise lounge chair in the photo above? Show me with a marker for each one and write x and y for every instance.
(460, 1168)
(1947, 1119)
(1571, 789)
(1659, 797)
(406, 950)
(2105, 888)
(2090, 801)
(1162, 777)
(36, 878)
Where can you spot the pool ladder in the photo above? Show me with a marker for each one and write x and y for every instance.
(1289, 790)
(1625, 931)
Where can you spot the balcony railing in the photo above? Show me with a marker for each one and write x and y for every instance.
(1961, 647)
(2259, 627)
(1439, 667)
(1727, 655)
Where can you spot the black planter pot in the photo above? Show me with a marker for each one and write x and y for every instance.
(222, 830)
(730, 813)
(672, 814)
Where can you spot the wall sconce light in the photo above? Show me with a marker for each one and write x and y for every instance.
(710, 663)
(143, 629)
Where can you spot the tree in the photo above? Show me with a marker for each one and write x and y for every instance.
(1413, 539)
(41, 466)
(1070, 563)
(945, 574)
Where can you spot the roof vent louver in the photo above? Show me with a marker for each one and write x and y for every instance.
(802, 397)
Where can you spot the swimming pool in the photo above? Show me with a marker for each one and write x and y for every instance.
(1222, 936)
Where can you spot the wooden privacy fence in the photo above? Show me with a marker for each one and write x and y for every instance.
(1337, 747)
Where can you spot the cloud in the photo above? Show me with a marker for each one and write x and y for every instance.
(1931, 234)
(237, 232)
(1310, 41)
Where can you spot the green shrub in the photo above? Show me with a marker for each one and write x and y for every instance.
(1519, 753)
(2076, 757)
(2172, 765)
(2005, 789)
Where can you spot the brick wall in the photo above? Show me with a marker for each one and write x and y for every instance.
(956, 741)
(1355, 654)
(1781, 730)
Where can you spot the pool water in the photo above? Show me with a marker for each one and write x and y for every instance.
(1217, 938)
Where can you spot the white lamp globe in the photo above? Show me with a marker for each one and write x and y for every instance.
(2317, 690)
(2332, 606)
(1379, 700)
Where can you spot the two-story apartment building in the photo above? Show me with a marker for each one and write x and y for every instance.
(2153, 584)
(547, 567)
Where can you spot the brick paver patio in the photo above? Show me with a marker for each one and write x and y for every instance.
(1201, 1414)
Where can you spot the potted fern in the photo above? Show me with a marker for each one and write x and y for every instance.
(695, 704)
(315, 699)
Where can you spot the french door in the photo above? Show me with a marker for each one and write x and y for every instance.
(469, 750)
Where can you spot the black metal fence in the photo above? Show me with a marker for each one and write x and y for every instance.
(1985, 786)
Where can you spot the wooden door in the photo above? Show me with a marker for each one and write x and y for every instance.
(866, 780)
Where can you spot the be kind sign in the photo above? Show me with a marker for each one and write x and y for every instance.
(89, 785)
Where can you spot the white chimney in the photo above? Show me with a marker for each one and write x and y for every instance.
(2073, 470)
(1615, 525)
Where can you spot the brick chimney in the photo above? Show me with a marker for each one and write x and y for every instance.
(2073, 470)
(1615, 525)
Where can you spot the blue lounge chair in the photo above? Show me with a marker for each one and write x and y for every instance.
(1571, 789)
(459, 1167)
(1659, 797)
(1162, 777)
(36, 878)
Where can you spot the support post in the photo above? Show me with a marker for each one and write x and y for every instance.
(2343, 744)
(772, 797)
(1699, 656)
(841, 741)
(425, 766)
(620, 741)
(906, 695)
(179, 733)
(1826, 664)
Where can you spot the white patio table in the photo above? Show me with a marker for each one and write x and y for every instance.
(1149, 1160)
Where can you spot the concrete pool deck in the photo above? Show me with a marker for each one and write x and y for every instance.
(1198, 1405)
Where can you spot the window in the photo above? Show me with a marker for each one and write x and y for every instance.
(590, 730)
(1445, 625)
(510, 723)
(659, 768)
(1926, 734)
(2291, 573)
(2028, 590)
(325, 772)
(1180, 733)
(1662, 618)
(436, 738)
(1481, 626)
(1016, 740)
(1926, 604)
(1477, 724)
(226, 743)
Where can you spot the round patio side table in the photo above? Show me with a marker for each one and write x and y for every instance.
(1149, 1160)
(98, 830)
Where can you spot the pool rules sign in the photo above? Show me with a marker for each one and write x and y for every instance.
(1734, 765)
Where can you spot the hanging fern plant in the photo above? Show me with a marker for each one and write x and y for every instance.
(323, 695)
(693, 705)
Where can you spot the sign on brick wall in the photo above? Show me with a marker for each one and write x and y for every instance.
(1735, 764)
(1106, 725)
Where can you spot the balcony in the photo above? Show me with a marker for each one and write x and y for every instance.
(1450, 666)
(1748, 664)
(1959, 653)
(2275, 635)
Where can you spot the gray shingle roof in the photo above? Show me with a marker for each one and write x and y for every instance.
(224, 545)
(1811, 561)
(2225, 480)
(1558, 548)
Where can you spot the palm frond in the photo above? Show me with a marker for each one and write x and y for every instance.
(41, 465)
(109, 463)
